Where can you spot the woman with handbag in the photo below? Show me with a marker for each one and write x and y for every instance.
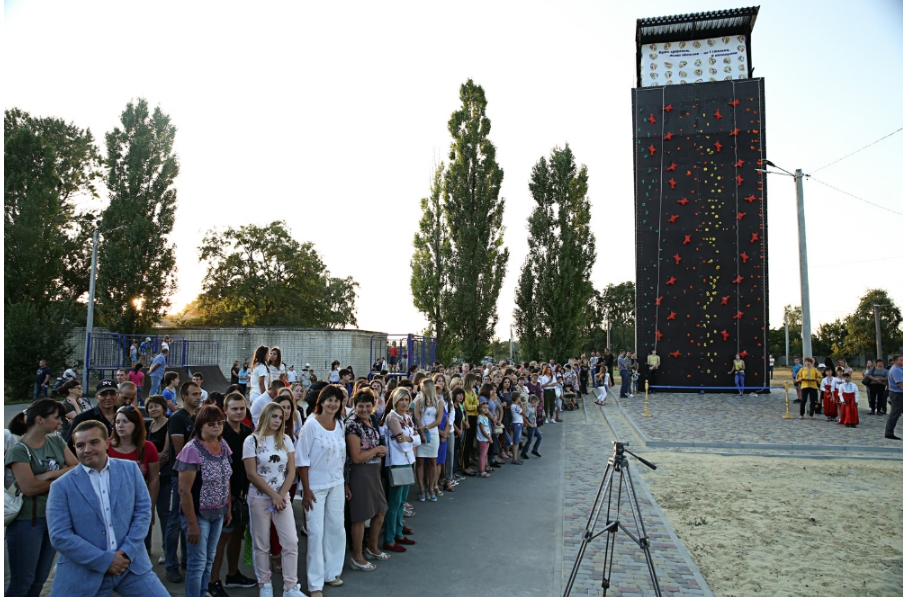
(40, 457)
(401, 439)
(234, 434)
(368, 500)
(320, 451)
(204, 466)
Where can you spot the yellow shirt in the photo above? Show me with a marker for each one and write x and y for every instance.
(471, 403)
(808, 377)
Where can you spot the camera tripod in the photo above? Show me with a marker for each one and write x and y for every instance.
(616, 464)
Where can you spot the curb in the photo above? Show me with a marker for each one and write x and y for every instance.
(697, 575)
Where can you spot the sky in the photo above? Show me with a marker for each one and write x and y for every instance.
(332, 116)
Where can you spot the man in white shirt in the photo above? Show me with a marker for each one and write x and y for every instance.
(103, 553)
(264, 399)
(292, 375)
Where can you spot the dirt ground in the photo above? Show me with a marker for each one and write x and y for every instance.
(782, 527)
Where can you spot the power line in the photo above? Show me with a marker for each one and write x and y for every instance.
(858, 150)
(854, 196)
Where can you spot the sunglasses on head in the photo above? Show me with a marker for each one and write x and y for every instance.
(126, 409)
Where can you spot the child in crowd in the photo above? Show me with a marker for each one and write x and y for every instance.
(829, 395)
(604, 380)
(171, 391)
(532, 430)
(484, 437)
(849, 399)
(517, 425)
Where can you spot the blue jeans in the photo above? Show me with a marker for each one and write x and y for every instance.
(625, 383)
(155, 386)
(200, 556)
(164, 499)
(516, 429)
(531, 433)
(38, 391)
(133, 585)
(740, 381)
(173, 534)
(30, 557)
(592, 374)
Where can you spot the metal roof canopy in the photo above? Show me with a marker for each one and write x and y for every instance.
(699, 25)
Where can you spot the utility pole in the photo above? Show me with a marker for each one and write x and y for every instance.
(804, 265)
(876, 308)
(89, 328)
(787, 338)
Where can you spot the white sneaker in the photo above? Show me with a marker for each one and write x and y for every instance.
(162, 560)
(296, 592)
(267, 590)
(552, 421)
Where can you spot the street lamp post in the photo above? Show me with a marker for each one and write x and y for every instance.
(804, 256)
(89, 328)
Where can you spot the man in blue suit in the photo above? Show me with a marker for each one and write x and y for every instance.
(98, 533)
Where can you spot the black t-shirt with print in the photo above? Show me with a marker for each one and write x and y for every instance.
(180, 423)
(236, 441)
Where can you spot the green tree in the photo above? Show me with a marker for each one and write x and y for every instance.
(49, 167)
(860, 325)
(261, 276)
(526, 319)
(593, 332)
(618, 301)
(429, 276)
(136, 262)
(562, 253)
(776, 339)
(830, 339)
(473, 211)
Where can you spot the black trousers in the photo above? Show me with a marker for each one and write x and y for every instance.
(470, 435)
(878, 397)
(810, 395)
(896, 409)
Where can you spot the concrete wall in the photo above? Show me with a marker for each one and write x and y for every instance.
(319, 347)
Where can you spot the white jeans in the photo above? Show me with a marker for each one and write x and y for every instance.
(325, 537)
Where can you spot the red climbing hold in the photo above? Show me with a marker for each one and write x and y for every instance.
(675, 354)
(671, 281)
(672, 167)
(718, 145)
(672, 316)
(673, 219)
(651, 149)
(725, 335)
(651, 119)
(677, 259)
(724, 300)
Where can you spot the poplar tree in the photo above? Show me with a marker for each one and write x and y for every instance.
(136, 263)
(561, 256)
(473, 210)
(429, 275)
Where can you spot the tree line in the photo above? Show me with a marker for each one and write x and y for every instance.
(53, 171)
(848, 336)
(460, 259)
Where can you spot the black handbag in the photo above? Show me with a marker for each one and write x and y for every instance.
(240, 513)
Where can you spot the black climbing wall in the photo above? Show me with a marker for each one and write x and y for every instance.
(701, 248)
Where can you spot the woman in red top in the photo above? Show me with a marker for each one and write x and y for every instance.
(136, 376)
(129, 442)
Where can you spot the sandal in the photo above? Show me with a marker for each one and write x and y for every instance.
(421, 497)
(485, 474)
(376, 556)
(394, 547)
(437, 491)
(433, 497)
(368, 567)
(336, 582)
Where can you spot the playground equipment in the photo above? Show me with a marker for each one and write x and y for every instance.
(412, 350)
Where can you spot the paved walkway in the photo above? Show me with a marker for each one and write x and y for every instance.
(749, 422)
(587, 448)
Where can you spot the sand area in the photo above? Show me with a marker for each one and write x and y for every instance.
(784, 526)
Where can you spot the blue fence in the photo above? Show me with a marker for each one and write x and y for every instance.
(109, 351)
(420, 350)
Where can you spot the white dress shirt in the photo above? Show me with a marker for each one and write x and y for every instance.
(100, 481)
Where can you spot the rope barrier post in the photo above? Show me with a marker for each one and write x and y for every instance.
(646, 412)
(787, 400)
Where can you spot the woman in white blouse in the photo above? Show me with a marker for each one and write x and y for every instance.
(320, 452)
(259, 373)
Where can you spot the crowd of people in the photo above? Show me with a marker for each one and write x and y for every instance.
(218, 471)
(827, 389)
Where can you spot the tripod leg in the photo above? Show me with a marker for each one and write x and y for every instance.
(590, 525)
(641, 529)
